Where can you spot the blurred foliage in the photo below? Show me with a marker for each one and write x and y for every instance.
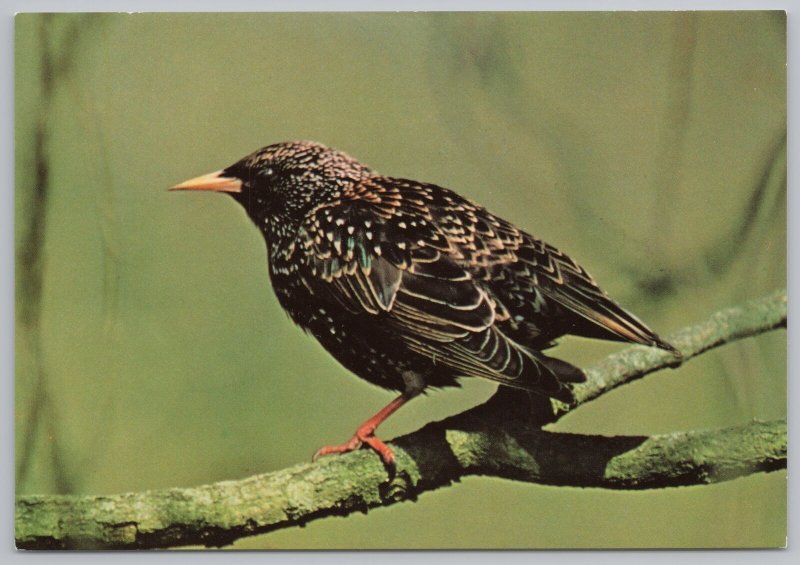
(650, 146)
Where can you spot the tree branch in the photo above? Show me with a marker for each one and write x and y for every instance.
(487, 440)
(750, 319)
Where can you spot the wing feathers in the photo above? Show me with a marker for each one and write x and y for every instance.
(384, 279)
(459, 285)
(607, 319)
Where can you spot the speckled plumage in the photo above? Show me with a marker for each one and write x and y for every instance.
(410, 285)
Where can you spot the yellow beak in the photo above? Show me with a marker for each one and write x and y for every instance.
(212, 181)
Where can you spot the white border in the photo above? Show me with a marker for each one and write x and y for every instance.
(10, 7)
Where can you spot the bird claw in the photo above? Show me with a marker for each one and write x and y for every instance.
(365, 434)
(350, 445)
(360, 439)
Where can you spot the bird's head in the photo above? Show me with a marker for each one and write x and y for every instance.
(279, 183)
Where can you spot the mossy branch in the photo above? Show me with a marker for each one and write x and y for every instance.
(750, 319)
(486, 440)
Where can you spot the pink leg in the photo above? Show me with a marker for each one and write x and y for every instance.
(365, 434)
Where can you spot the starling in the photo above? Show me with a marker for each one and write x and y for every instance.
(409, 285)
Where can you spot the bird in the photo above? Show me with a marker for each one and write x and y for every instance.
(411, 286)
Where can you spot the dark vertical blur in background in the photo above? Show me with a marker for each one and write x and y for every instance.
(151, 352)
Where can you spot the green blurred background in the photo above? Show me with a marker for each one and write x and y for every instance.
(151, 352)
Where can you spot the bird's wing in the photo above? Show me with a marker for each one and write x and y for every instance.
(546, 293)
(387, 257)
(560, 279)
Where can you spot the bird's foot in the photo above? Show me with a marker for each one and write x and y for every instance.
(365, 435)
